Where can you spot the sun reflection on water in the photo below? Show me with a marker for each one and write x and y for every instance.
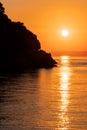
(64, 92)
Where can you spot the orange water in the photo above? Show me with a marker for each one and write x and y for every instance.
(46, 99)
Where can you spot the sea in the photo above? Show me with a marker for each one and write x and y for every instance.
(46, 99)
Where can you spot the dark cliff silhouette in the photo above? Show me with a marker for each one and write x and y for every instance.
(19, 47)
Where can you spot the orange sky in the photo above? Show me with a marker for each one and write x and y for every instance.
(46, 18)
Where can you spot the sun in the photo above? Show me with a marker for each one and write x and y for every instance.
(65, 33)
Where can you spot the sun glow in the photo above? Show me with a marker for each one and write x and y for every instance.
(65, 33)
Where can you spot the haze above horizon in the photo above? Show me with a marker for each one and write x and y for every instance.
(47, 18)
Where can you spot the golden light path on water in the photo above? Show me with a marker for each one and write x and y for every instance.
(64, 92)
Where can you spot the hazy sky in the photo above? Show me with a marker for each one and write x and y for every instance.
(46, 18)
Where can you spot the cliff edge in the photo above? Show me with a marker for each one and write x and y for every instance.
(19, 47)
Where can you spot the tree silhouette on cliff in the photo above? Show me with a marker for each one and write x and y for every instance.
(19, 47)
(2, 10)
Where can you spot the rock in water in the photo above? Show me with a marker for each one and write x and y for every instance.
(19, 47)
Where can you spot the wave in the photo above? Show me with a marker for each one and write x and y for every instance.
(78, 61)
(79, 64)
(72, 61)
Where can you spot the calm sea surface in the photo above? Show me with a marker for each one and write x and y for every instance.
(46, 99)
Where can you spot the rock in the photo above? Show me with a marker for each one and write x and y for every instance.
(19, 47)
